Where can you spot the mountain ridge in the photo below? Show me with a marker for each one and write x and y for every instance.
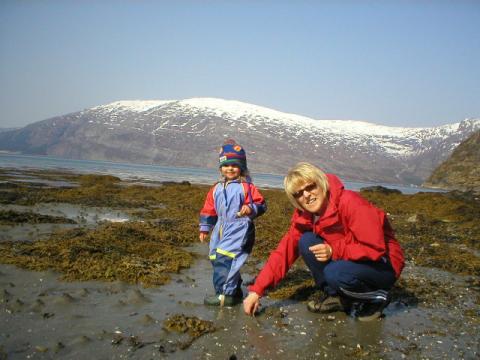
(187, 133)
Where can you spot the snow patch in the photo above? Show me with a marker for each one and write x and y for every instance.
(132, 105)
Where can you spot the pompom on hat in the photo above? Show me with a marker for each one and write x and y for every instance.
(232, 153)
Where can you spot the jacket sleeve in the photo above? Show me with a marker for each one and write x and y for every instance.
(258, 206)
(208, 214)
(278, 263)
(365, 238)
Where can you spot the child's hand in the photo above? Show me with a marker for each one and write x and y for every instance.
(203, 236)
(244, 211)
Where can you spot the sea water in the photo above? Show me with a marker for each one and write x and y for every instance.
(147, 172)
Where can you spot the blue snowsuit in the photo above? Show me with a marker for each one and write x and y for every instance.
(232, 237)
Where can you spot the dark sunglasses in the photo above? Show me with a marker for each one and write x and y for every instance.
(309, 188)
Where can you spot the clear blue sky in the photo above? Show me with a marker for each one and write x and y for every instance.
(400, 63)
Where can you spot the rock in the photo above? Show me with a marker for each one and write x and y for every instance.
(63, 299)
(147, 320)
(187, 183)
(5, 296)
(16, 306)
(58, 346)
(82, 292)
(37, 306)
(381, 189)
(41, 349)
(80, 340)
(416, 218)
(136, 297)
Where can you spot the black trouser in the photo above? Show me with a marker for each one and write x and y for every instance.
(367, 281)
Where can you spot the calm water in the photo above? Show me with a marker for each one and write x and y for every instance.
(140, 172)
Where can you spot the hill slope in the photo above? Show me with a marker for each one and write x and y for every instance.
(461, 170)
(187, 133)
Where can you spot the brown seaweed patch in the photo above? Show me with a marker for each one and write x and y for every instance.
(96, 180)
(147, 320)
(412, 290)
(421, 250)
(130, 252)
(180, 202)
(271, 226)
(298, 285)
(3, 354)
(439, 230)
(191, 325)
(9, 217)
(188, 324)
(435, 229)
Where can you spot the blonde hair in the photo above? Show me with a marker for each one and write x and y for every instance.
(301, 174)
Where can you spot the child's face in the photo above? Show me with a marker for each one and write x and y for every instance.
(230, 172)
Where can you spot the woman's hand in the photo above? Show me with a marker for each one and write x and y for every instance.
(322, 252)
(251, 303)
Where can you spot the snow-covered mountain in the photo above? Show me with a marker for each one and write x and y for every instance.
(188, 133)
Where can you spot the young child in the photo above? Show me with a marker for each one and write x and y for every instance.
(230, 207)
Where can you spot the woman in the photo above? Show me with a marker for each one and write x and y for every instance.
(346, 242)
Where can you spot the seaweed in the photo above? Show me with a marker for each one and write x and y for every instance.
(192, 325)
(132, 252)
(10, 217)
(439, 230)
(189, 325)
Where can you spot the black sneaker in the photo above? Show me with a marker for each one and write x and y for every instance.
(326, 304)
(370, 311)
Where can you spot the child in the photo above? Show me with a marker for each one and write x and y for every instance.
(230, 207)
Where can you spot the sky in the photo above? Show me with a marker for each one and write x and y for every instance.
(397, 63)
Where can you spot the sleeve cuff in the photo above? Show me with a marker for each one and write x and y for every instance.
(255, 289)
(204, 228)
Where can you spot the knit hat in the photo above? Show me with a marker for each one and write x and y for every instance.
(232, 153)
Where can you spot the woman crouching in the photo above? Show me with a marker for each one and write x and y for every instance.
(346, 242)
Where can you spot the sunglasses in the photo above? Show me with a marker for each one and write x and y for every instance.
(309, 188)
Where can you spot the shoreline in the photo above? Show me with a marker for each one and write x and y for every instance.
(211, 174)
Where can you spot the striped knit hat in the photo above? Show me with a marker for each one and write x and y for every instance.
(232, 153)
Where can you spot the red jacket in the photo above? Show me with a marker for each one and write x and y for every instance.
(355, 229)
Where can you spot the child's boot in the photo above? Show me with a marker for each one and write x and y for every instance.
(224, 300)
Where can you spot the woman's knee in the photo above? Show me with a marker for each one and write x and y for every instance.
(338, 276)
(308, 239)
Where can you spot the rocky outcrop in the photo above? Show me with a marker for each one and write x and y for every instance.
(461, 171)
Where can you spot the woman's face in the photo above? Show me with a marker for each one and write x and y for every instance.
(310, 197)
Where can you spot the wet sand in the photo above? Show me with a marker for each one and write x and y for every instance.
(42, 317)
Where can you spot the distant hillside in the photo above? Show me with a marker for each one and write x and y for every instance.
(461, 171)
(187, 133)
(8, 129)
